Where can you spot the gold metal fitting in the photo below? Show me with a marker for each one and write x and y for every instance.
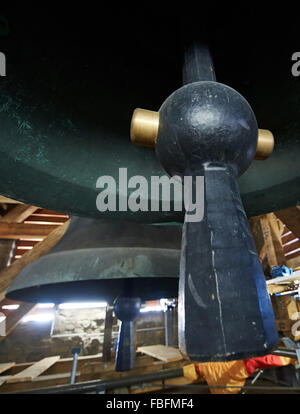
(144, 130)
(265, 144)
(144, 127)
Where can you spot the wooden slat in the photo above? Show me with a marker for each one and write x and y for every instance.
(293, 255)
(289, 238)
(25, 231)
(8, 274)
(49, 213)
(161, 352)
(5, 366)
(34, 371)
(291, 247)
(25, 243)
(46, 220)
(18, 214)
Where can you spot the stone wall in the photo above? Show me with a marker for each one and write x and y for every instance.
(33, 341)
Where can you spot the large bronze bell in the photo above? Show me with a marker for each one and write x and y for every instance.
(119, 263)
(67, 99)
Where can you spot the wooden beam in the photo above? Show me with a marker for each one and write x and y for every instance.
(161, 352)
(6, 200)
(257, 233)
(291, 218)
(14, 317)
(7, 365)
(18, 214)
(272, 243)
(24, 231)
(8, 274)
(276, 228)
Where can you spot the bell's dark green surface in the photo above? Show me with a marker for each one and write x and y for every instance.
(74, 76)
(98, 260)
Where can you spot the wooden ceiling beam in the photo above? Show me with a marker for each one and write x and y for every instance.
(291, 218)
(18, 214)
(8, 274)
(24, 231)
(6, 200)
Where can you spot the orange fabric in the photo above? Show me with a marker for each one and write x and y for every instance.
(232, 373)
(224, 373)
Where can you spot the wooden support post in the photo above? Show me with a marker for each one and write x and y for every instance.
(276, 228)
(258, 236)
(106, 353)
(269, 239)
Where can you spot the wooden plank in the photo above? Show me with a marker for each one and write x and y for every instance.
(18, 214)
(291, 218)
(8, 274)
(108, 372)
(6, 366)
(34, 371)
(62, 365)
(24, 231)
(161, 352)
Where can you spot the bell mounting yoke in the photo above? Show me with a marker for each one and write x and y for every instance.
(208, 129)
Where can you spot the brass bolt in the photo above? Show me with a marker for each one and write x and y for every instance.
(265, 144)
(144, 130)
(144, 127)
